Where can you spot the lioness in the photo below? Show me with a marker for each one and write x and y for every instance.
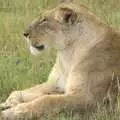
(86, 67)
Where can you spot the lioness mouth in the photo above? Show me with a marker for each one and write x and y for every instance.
(39, 47)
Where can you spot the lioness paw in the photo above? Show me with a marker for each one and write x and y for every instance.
(16, 113)
(14, 99)
(4, 106)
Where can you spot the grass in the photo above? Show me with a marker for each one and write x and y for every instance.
(18, 68)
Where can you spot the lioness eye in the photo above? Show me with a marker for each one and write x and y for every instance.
(44, 20)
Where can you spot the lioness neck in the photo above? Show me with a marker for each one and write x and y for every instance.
(89, 34)
(66, 57)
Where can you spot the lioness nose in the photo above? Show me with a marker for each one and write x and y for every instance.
(26, 34)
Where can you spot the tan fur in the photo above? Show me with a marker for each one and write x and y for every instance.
(86, 67)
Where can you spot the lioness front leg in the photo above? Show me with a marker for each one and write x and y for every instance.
(47, 106)
(17, 97)
(46, 88)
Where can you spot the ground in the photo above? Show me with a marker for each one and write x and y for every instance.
(18, 68)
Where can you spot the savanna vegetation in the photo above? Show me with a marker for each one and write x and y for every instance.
(18, 68)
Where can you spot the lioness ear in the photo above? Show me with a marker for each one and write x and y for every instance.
(68, 15)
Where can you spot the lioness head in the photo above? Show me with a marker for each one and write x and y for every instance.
(57, 28)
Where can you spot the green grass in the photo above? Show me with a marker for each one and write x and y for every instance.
(18, 68)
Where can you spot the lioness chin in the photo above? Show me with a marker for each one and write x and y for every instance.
(86, 67)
